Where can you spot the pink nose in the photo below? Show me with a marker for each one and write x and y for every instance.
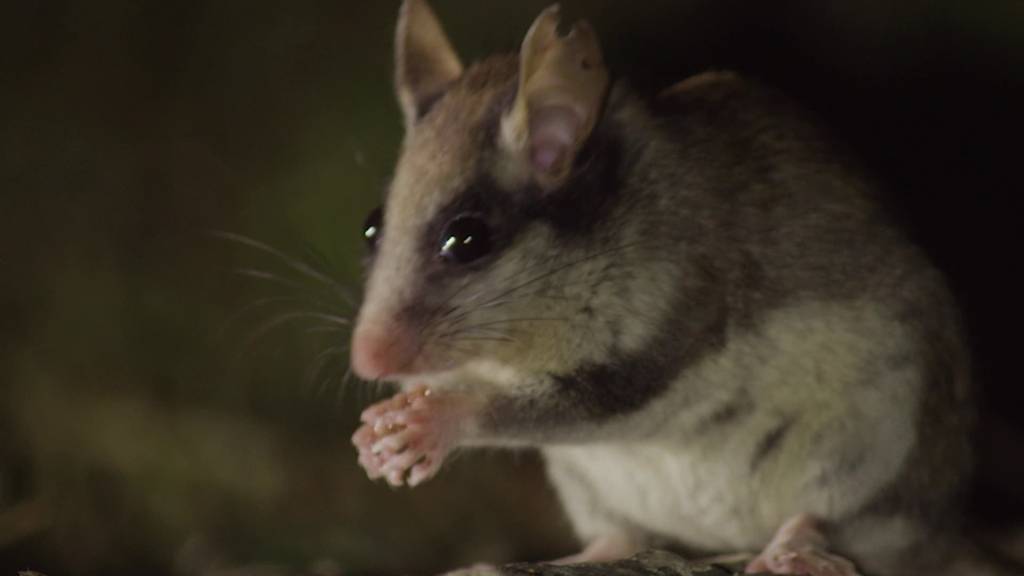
(381, 352)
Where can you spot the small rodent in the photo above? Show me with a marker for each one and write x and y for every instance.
(694, 306)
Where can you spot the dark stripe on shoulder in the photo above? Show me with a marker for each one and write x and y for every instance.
(627, 382)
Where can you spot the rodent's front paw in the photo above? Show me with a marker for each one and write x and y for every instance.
(406, 438)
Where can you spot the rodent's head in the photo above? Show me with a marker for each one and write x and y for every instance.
(469, 256)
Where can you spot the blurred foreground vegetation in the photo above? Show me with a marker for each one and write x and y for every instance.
(174, 400)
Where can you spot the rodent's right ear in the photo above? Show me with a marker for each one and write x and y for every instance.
(425, 62)
(562, 86)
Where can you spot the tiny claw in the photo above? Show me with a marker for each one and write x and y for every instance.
(394, 478)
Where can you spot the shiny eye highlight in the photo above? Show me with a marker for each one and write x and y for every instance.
(372, 228)
(465, 239)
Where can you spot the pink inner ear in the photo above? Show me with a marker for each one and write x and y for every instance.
(553, 132)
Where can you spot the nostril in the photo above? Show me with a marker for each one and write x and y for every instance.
(367, 361)
(378, 353)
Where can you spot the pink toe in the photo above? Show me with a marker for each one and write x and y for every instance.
(390, 444)
(401, 462)
(423, 471)
(363, 437)
(371, 465)
(395, 478)
(374, 412)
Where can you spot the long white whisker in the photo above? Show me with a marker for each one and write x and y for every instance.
(291, 316)
(293, 263)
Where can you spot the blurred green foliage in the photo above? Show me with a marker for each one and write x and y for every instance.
(157, 414)
(161, 411)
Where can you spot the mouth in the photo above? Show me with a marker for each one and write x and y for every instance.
(423, 367)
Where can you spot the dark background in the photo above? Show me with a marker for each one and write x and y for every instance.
(174, 401)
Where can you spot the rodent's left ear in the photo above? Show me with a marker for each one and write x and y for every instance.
(562, 86)
(425, 62)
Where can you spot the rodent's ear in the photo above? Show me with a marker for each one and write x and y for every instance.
(425, 62)
(562, 86)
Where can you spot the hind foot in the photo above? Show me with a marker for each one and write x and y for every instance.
(799, 547)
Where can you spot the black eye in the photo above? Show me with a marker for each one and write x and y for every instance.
(372, 227)
(465, 239)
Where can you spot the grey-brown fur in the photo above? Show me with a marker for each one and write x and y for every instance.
(710, 232)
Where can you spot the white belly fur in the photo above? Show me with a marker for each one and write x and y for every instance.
(834, 371)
